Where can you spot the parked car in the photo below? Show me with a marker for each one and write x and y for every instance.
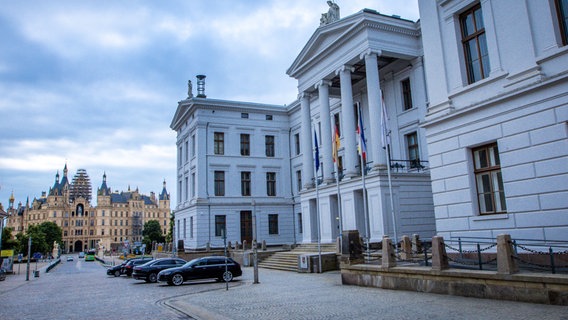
(81, 254)
(2, 274)
(69, 258)
(149, 270)
(116, 270)
(202, 268)
(128, 267)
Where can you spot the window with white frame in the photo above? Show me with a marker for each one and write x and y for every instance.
(271, 184)
(245, 183)
(245, 144)
(219, 143)
(562, 11)
(219, 183)
(272, 224)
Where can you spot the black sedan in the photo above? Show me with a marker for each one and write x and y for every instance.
(116, 270)
(221, 268)
(149, 270)
(131, 263)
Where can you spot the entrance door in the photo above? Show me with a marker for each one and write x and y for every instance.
(78, 246)
(246, 226)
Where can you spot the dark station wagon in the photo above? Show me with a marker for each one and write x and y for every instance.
(218, 267)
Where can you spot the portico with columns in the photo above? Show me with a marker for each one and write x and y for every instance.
(354, 62)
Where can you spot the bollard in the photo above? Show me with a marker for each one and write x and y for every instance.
(505, 262)
(388, 256)
(479, 257)
(439, 256)
(406, 247)
(552, 260)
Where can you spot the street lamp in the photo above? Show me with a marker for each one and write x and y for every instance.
(254, 244)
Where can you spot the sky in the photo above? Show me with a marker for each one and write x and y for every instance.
(94, 84)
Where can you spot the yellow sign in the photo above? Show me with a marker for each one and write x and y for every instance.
(7, 253)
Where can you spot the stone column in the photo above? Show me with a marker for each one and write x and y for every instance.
(406, 247)
(389, 256)
(439, 256)
(348, 122)
(505, 262)
(326, 132)
(306, 142)
(374, 97)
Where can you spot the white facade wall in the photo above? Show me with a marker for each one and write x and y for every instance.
(521, 105)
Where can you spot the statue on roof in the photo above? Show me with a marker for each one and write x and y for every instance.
(332, 14)
(189, 89)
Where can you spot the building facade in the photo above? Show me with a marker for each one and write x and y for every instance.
(116, 222)
(497, 133)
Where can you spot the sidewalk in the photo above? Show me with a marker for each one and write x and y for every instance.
(15, 279)
(290, 295)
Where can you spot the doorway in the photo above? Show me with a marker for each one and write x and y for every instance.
(246, 226)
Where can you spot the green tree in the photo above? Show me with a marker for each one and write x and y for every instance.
(7, 242)
(170, 235)
(38, 240)
(152, 233)
(52, 233)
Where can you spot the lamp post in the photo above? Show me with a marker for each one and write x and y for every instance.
(254, 244)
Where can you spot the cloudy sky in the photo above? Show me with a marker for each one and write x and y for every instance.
(95, 84)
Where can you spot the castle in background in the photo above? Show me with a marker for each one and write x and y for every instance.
(116, 221)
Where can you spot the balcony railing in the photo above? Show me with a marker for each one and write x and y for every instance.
(409, 165)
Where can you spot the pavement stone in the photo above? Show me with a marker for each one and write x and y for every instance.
(290, 295)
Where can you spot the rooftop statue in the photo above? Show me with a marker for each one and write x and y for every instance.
(332, 14)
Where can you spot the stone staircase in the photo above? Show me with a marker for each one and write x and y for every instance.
(288, 260)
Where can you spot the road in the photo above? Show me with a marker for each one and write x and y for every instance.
(80, 289)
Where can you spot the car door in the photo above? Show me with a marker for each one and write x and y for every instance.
(215, 267)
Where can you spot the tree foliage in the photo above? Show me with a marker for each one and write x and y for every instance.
(152, 233)
(52, 233)
(170, 235)
(7, 239)
(43, 236)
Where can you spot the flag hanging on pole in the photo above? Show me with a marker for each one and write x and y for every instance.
(385, 131)
(362, 147)
(335, 144)
(317, 156)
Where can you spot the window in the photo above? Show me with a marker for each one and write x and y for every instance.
(193, 185)
(186, 151)
(219, 183)
(269, 117)
(178, 229)
(269, 145)
(55, 214)
(300, 228)
(245, 183)
(244, 115)
(412, 147)
(193, 145)
(406, 94)
(180, 153)
(271, 184)
(245, 144)
(219, 143)
(474, 44)
(184, 228)
(186, 193)
(299, 180)
(220, 225)
(191, 227)
(297, 143)
(272, 224)
(562, 10)
(490, 193)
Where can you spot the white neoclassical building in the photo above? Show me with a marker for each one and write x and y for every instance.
(497, 133)
(476, 110)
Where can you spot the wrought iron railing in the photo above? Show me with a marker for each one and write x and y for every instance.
(409, 165)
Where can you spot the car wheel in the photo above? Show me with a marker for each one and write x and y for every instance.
(177, 279)
(152, 277)
(227, 276)
(117, 273)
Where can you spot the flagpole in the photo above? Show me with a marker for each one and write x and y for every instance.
(363, 165)
(335, 156)
(386, 142)
(391, 198)
(316, 167)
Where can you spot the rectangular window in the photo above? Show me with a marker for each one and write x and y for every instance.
(186, 151)
(406, 94)
(488, 179)
(244, 115)
(300, 228)
(219, 143)
(220, 225)
(474, 44)
(193, 185)
(245, 144)
(269, 117)
(178, 227)
(562, 10)
(219, 183)
(191, 227)
(269, 145)
(271, 184)
(193, 145)
(184, 228)
(299, 180)
(297, 143)
(180, 153)
(413, 152)
(186, 193)
(245, 183)
(272, 224)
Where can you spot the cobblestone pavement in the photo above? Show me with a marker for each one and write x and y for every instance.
(288, 295)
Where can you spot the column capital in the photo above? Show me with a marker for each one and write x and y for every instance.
(322, 83)
(370, 52)
(302, 95)
(345, 67)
